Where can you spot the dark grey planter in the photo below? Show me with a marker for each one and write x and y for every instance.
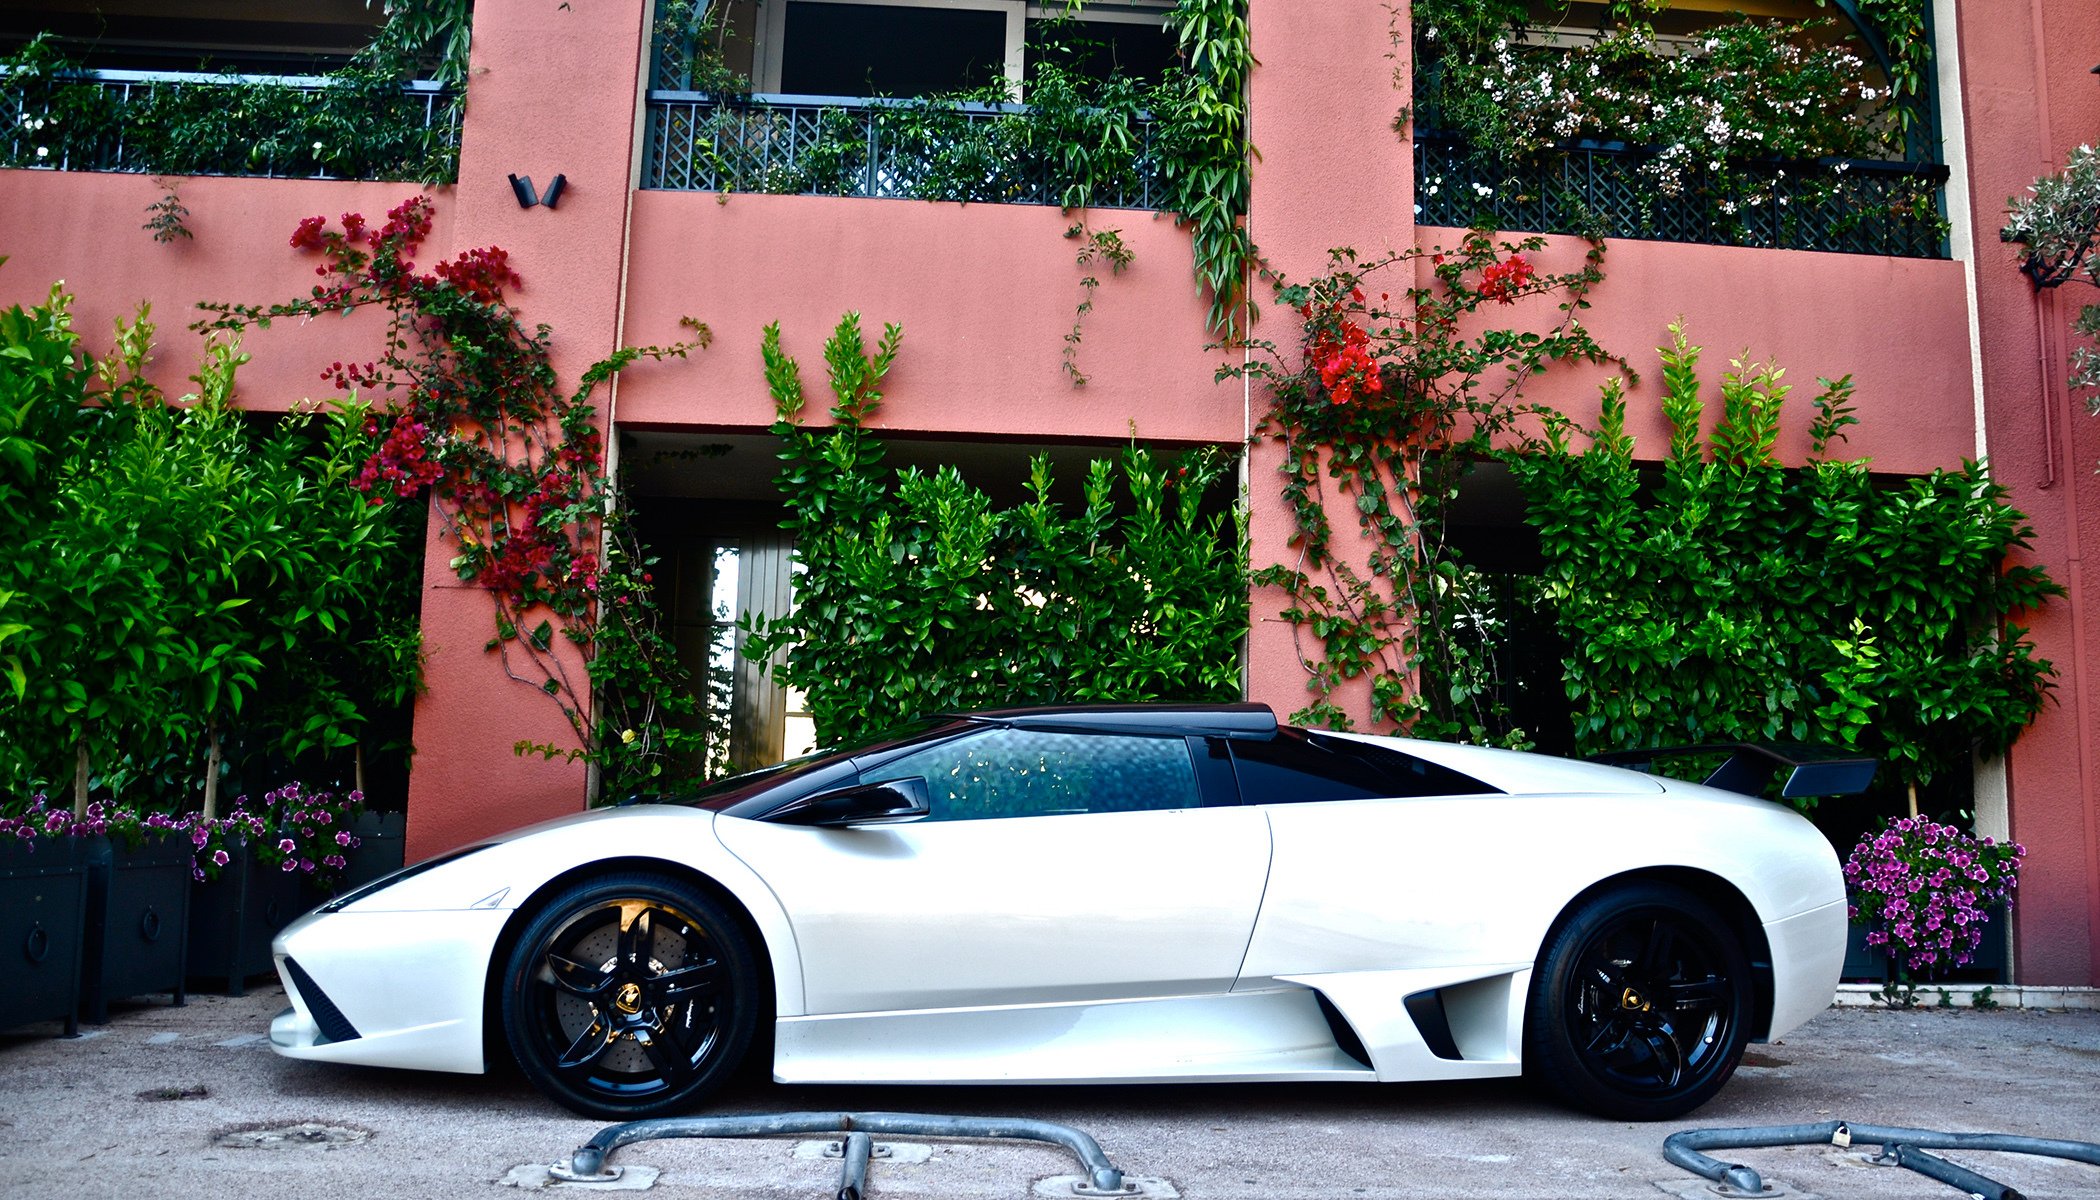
(1870, 964)
(137, 923)
(384, 841)
(233, 918)
(43, 917)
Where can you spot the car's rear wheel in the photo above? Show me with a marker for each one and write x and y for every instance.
(1640, 1005)
(630, 995)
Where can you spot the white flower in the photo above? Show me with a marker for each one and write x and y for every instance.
(1429, 34)
(43, 151)
(1867, 93)
(317, 147)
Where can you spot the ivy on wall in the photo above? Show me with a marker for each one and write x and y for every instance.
(1732, 598)
(916, 595)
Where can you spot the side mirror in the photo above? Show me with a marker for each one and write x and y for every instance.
(890, 802)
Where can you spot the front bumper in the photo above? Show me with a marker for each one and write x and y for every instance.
(409, 984)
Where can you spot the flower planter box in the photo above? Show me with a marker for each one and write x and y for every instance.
(43, 916)
(137, 923)
(1869, 964)
(384, 842)
(233, 918)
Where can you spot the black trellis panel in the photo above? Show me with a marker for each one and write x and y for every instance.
(1845, 206)
(874, 148)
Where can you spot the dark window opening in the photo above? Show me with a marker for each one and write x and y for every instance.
(1100, 50)
(883, 50)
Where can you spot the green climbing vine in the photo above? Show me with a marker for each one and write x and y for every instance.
(1392, 391)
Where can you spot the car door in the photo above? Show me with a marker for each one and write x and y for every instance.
(1053, 866)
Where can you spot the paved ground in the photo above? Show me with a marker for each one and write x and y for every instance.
(136, 1111)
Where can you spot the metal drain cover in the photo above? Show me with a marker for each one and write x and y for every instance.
(292, 1136)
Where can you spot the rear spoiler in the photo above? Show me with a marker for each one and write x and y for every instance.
(1813, 770)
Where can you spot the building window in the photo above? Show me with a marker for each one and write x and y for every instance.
(917, 48)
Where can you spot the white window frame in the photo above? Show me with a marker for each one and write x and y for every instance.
(772, 26)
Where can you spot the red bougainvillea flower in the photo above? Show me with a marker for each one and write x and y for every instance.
(1341, 356)
(1501, 281)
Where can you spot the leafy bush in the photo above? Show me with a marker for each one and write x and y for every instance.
(1737, 599)
(179, 577)
(917, 596)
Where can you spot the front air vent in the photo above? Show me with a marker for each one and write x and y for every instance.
(334, 1026)
(1427, 1009)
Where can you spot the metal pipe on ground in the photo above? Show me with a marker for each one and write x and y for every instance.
(1903, 1147)
(587, 1163)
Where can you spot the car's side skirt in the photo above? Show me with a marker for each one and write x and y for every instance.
(1274, 1034)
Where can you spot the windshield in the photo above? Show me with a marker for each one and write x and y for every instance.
(720, 794)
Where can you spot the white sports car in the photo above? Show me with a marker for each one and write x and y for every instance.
(1102, 894)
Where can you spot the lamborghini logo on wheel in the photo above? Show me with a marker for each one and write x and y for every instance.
(629, 999)
(1631, 1000)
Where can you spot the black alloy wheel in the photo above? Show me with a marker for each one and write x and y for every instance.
(1640, 1005)
(630, 996)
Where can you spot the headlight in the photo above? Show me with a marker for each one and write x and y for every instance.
(393, 877)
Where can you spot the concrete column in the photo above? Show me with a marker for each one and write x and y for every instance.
(553, 89)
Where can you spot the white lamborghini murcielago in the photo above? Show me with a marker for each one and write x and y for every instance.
(1106, 894)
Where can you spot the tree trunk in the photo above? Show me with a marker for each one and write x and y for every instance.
(211, 777)
(80, 779)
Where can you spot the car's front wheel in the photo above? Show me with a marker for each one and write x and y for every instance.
(1640, 1005)
(630, 995)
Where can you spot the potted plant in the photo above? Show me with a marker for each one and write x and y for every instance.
(1925, 892)
(43, 914)
(261, 866)
(138, 904)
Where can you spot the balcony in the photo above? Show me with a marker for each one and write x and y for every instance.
(343, 126)
(1806, 127)
(899, 149)
(1849, 206)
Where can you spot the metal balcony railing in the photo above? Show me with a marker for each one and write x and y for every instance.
(906, 149)
(290, 127)
(1849, 206)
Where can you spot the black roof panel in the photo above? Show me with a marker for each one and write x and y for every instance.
(1255, 721)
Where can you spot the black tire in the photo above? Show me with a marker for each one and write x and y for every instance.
(629, 996)
(1640, 1005)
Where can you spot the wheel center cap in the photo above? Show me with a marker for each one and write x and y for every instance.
(1633, 1001)
(629, 998)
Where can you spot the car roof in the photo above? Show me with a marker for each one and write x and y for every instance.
(1248, 721)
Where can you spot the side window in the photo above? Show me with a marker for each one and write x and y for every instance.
(1027, 772)
(1302, 768)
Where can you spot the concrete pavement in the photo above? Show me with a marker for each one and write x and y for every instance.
(167, 1102)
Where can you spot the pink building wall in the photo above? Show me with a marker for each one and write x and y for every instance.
(985, 293)
(2029, 96)
(552, 89)
(85, 229)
